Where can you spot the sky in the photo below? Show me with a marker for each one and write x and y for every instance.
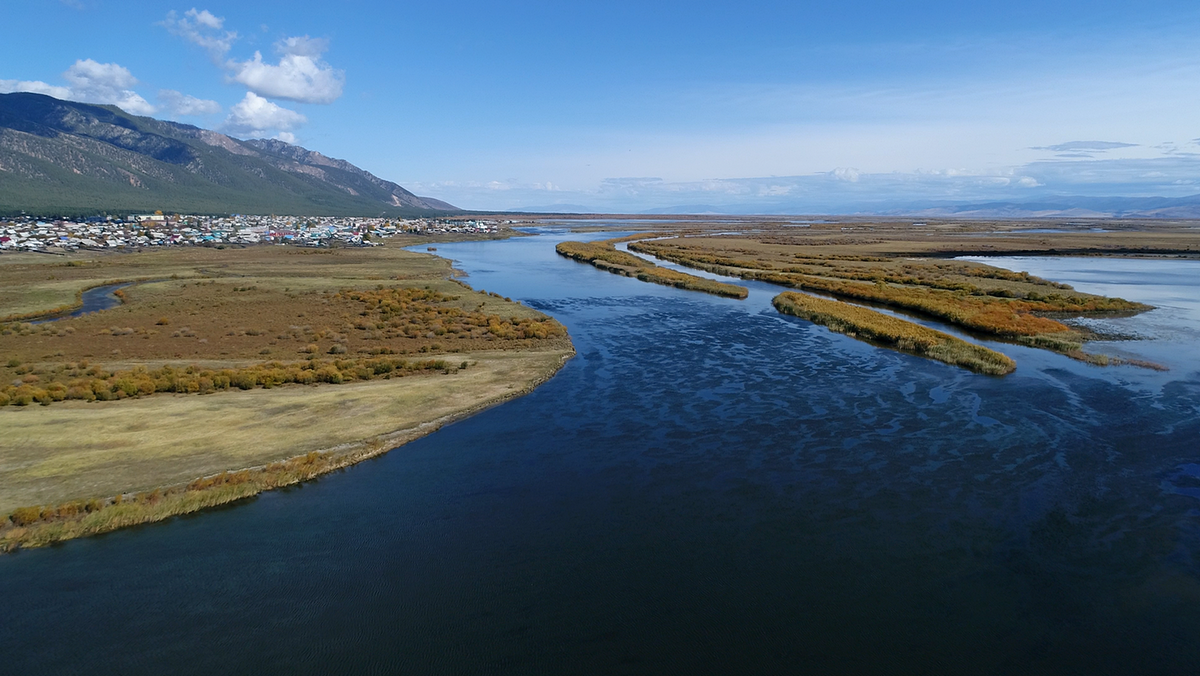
(748, 107)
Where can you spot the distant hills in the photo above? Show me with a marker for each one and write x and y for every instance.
(1068, 207)
(63, 157)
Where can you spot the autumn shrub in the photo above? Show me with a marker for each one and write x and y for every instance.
(25, 516)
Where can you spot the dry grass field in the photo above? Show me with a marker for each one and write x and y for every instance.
(221, 360)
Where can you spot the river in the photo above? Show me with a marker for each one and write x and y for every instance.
(708, 487)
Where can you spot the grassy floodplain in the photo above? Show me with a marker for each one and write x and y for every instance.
(233, 371)
(605, 256)
(866, 324)
(905, 269)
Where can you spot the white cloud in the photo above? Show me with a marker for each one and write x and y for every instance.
(93, 82)
(286, 137)
(87, 74)
(255, 116)
(206, 18)
(1029, 182)
(34, 87)
(847, 174)
(1096, 146)
(90, 82)
(202, 28)
(182, 104)
(299, 76)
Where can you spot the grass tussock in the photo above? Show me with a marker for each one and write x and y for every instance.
(866, 324)
(605, 256)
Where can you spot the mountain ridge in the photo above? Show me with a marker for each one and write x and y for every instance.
(67, 157)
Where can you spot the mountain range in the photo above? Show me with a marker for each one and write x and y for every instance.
(64, 157)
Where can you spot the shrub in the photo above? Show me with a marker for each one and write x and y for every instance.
(24, 516)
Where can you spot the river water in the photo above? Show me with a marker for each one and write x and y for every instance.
(709, 487)
(94, 299)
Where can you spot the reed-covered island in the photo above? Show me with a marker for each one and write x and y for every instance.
(605, 256)
(906, 270)
(226, 372)
(876, 327)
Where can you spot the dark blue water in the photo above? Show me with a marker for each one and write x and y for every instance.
(708, 487)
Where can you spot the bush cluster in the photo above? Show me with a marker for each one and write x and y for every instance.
(415, 312)
(96, 384)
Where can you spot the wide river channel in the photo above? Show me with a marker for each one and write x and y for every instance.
(707, 488)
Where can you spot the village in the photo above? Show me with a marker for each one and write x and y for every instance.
(28, 233)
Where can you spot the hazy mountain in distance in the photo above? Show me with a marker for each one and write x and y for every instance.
(66, 157)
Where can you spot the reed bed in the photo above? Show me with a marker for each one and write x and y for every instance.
(605, 256)
(37, 526)
(876, 327)
(1021, 311)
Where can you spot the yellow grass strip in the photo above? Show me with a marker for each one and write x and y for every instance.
(79, 469)
(866, 324)
(605, 256)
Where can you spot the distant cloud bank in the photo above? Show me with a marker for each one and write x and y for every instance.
(842, 190)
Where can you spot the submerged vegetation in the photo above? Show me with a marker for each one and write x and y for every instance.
(604, 255)
(867, 324)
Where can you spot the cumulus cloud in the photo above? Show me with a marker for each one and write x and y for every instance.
(202, 28)
(34, 87)
(93, 82)
(90, 82)
(255, 116)
(1099, 146)
(182, 104)
(299, 76)
(847, 174)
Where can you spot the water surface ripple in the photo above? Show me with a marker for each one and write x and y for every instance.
(709, 487)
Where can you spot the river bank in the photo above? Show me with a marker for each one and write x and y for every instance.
(267, 423)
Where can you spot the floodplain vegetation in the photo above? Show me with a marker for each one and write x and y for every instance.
(984, 300)
(203, 325)
(876, 327)
(605, 256)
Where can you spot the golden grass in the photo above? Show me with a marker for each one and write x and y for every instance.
(125, 383)
(603, 255)
(76, 453)
(992, 301)
(869, 325)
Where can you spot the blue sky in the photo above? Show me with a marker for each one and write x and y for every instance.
(631, 106)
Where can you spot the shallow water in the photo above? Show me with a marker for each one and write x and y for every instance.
(709, 487)
(93, 300)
